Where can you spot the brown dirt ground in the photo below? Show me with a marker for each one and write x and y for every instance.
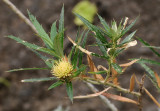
(35, 96)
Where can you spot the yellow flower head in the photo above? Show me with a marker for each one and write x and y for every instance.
(62, 69)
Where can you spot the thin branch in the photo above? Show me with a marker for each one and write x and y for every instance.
(20, 14)
(114, 86)
(103, 98)
(150, 95)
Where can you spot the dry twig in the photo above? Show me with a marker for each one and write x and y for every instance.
(20, 14)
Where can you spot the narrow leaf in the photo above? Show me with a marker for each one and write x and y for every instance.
(157, 78)
(83, 46)
(73, 47)
(33, 46)
(117, 67)
(79, 71)
(128, 38)
(41, 32)
(86, 51)
(93, 68)
(119, 98)
(102, 48)
(58, 83)
(53, 32)
(56, 44)
(38, 79)
(129, 27)
(49, 62)
(150, 75)
(77, 51)
(93, 28)
(150, 95)
(105, 25)
(69, 90)
(148, 61)
(22, 69)
(150, 72)
(61, 26)
(147, 44)
(98, 72)
(132, 83)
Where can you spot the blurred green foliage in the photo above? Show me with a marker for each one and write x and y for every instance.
(4, 82)
(86, 9)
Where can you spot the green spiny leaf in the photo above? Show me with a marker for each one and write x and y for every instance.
(102, 48)
(39, 79)
(83, 46)
(23, 69)
(57, 47)
(150, 72)
(99, 72)
(105, 25)
(73, 47)
(148, 61)
(69, 90)
(147, 44)
(33, 46)
(77, 52)
(150, 75)
(81, 69)
(41, 32)
(98, 32)
(117, 67)
(129, 27)
(49, 62)
(53, 31)
(58, 83)
(61, 26)
(128, 38)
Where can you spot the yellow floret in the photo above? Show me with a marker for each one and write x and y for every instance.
(62, 69)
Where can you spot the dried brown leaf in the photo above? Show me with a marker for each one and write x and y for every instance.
(129, 63)
(150, 95)
(158, 79)
(114, 75)
(93, 68)
(102, 67)
(119, 98)
(91, 95)
(80, 48)
(132, 83)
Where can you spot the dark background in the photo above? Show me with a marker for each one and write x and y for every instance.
(35, 96)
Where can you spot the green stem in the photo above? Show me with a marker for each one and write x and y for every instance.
(110, 61)
(108, 72)
(114, 86)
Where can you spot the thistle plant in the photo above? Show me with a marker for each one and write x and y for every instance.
(63, 68)
(111, 40)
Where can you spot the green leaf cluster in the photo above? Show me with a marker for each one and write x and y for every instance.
(150, 73)
(110, 39)
(54, 47)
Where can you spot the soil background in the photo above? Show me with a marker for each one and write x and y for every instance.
(35, 96)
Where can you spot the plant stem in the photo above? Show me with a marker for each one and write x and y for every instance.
(114, 86)
(108, 72)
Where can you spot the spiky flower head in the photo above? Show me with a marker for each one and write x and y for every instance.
(62, 69)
